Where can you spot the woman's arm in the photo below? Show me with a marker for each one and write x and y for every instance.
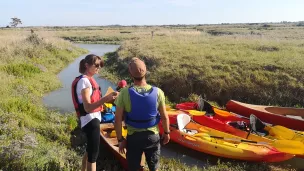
(88, 106)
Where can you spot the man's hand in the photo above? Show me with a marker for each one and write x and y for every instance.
(122, 145)
(165, 138)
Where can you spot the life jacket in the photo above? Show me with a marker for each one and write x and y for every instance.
(144, 112)
(95, 96)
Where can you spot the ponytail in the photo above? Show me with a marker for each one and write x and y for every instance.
(82, 67)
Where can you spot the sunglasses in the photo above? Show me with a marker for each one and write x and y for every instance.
(97, 65)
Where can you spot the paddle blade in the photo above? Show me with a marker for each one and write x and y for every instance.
(196, 112)
(110, 90)
(289, 146)
(283, 133)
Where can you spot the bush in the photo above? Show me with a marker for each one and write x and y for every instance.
(21, 70)
(34, 39)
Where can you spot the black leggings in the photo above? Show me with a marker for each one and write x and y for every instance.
(92, 131)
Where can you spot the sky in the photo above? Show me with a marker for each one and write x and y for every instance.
(148, 12)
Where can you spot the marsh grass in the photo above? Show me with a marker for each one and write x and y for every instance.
(249, 69)
(32, 137)
(175, 165)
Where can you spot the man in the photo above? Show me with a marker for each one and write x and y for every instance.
(144, 106)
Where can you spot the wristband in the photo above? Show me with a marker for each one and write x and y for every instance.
(121, 140)
(167, 132)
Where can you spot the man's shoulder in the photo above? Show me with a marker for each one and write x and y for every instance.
(159, 90)
(124, 90)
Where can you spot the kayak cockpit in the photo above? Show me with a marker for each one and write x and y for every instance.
(183, 121)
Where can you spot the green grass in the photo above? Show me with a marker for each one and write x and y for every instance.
(245, 68)
(32, 137)
(174, 165)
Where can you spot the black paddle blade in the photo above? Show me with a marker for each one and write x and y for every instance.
(208, 108)
(256, 124)
(203, 105)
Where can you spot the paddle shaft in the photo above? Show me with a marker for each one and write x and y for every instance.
(282, 146)
(226, 139)
(238, 140)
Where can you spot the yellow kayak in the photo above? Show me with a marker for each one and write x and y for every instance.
(283, 133)
(221, 120)
(214, 142)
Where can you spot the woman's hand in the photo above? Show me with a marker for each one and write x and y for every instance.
(112, 96)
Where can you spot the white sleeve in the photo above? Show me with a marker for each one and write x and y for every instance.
(82, 84)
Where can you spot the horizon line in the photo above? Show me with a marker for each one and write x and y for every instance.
(146, 25)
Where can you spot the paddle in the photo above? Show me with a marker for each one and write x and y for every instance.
(196, 112)
(109, 90)
(286, 146)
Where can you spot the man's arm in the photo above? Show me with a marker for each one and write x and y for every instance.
(118, 128)
(164, 118)
(118, 122)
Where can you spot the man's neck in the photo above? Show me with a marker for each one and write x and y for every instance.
(140, 83)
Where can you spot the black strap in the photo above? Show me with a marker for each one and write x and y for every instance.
(75, 91)
(174, 126)
(249, 132)
(142, 121)
(80, 108)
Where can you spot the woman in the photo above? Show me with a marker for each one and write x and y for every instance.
(88, 103)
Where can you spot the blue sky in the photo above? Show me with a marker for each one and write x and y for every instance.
(148, 12)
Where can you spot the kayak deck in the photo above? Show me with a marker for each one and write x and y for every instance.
(112, 143)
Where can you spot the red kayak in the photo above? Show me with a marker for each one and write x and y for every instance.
(270, 114)
(219, 119)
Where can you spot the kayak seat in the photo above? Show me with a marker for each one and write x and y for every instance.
(182, 121)
(203, 105)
